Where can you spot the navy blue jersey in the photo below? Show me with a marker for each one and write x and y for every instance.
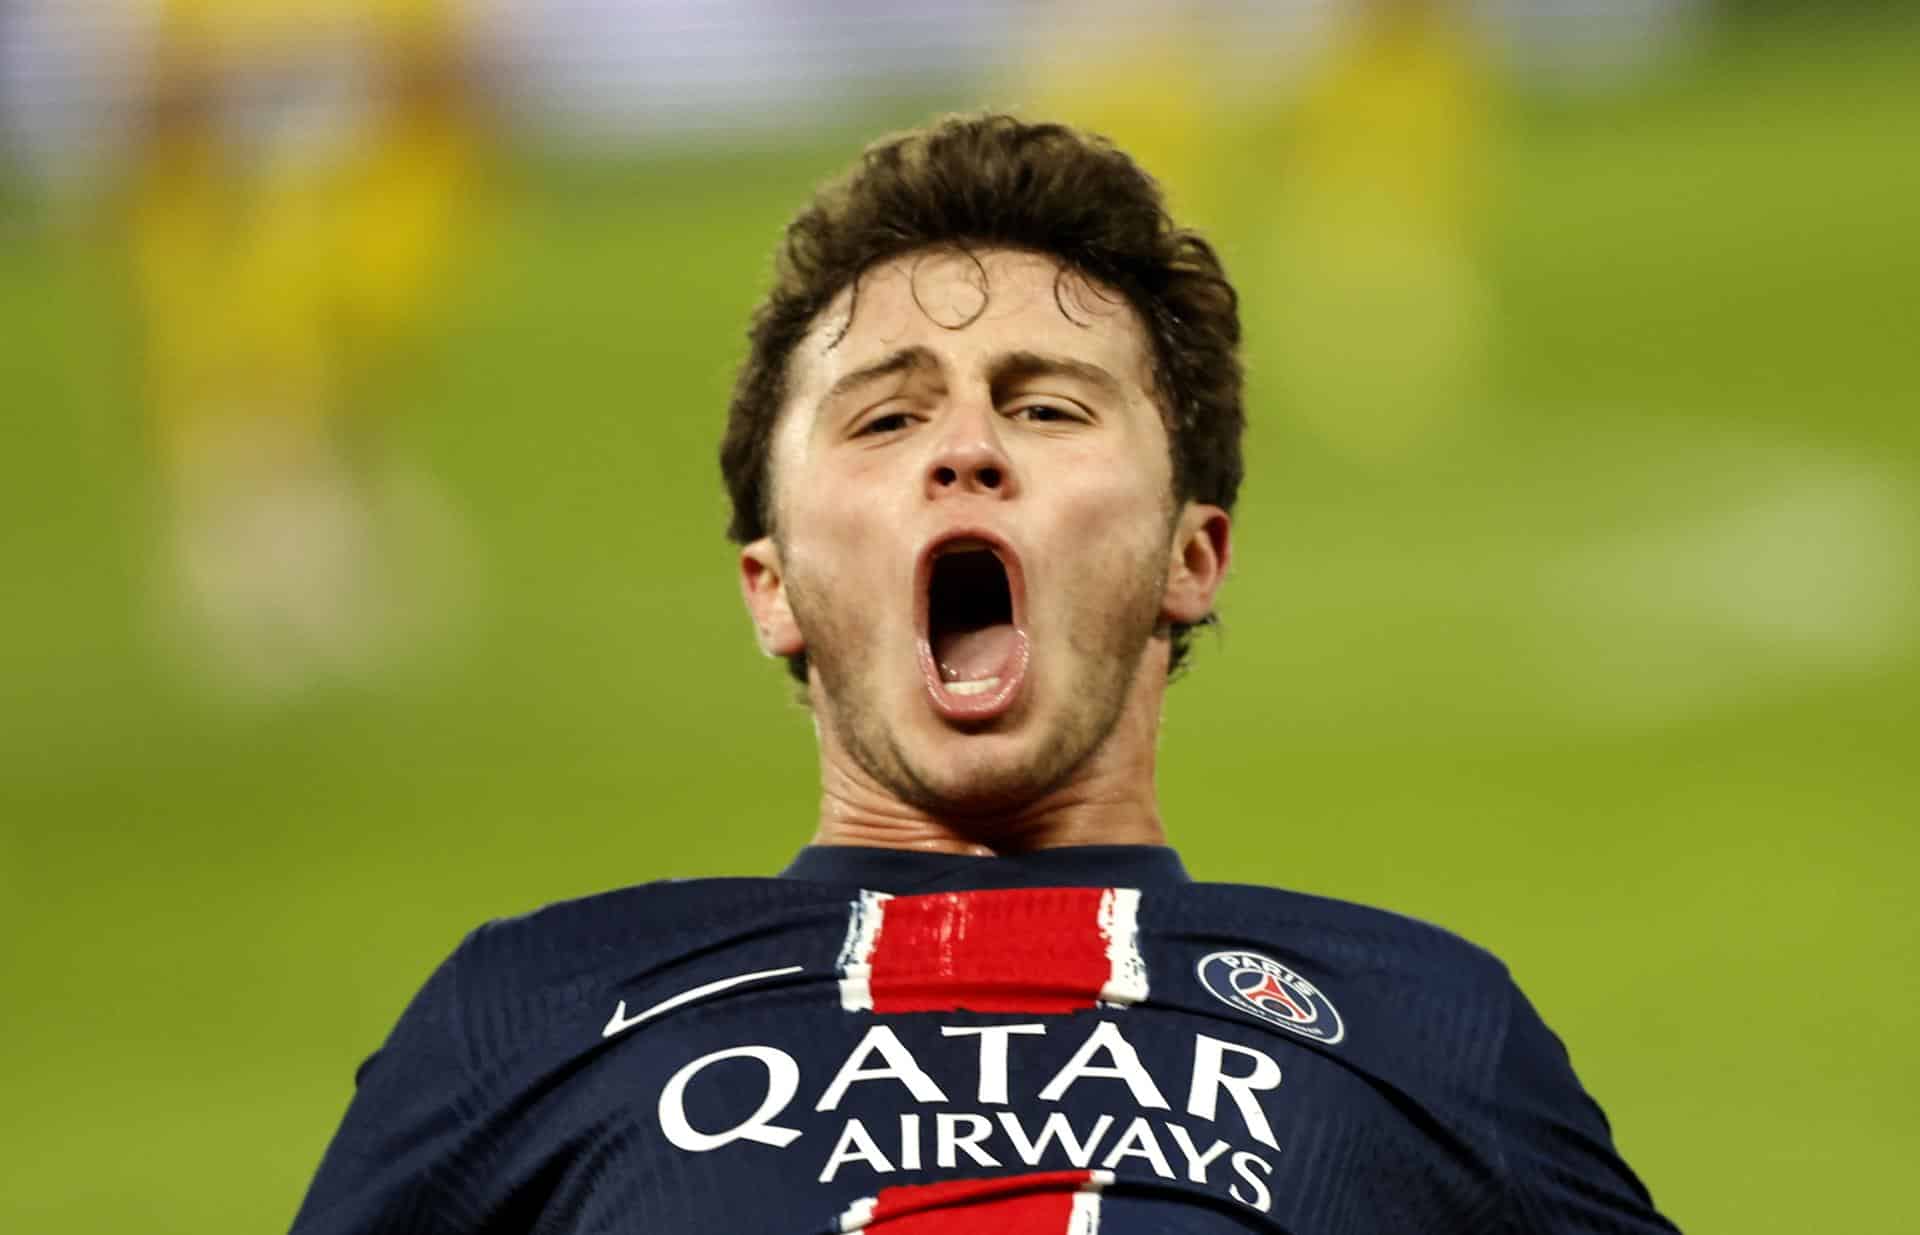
(1074, 1041)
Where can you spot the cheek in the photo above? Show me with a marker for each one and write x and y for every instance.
(834, 497)
(1111, 546)
(838, 552)
(1115, 499)
(1129, 469)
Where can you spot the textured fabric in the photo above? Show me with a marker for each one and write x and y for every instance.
(1076, 1042)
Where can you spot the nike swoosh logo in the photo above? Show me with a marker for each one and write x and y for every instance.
(622, 1022)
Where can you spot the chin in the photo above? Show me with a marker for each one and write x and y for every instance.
(976, 774)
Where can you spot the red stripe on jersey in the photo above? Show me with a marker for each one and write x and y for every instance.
(1042, 950)
(1047, 1203)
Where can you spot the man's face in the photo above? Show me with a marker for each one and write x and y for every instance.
(975, 537)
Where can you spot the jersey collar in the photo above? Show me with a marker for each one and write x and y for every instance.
(904, 871)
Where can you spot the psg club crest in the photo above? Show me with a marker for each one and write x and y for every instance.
(1263, 987)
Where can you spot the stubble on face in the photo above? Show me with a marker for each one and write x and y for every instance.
(1103, 586)
(1108, 629)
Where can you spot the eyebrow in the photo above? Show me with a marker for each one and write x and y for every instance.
(904, 360)
(1006, 367)
(1015, 366)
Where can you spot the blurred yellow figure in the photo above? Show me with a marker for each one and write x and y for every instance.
(1145, 77)
(295, 200)
(1379, 308)
(1338, 161)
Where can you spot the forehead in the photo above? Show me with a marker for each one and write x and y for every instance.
(966, 307)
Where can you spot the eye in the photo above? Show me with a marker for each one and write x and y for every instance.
(1047, 414)
(890, 422)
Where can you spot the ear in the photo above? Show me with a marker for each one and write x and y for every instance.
(764, 587)
(1202, 545)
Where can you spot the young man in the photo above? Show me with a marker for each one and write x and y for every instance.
(982, 457)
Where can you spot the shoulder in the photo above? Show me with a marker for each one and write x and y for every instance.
(649, 917)
(1412, 1004)
(1347, 932)
(513, 977)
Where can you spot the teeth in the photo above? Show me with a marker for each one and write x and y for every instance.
(978, 686)
(960, 546)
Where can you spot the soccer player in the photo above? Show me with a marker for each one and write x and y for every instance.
(300, 178)
(982, 456)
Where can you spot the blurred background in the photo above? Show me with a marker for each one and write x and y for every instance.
(362, 573)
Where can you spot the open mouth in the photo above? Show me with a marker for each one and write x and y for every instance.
(974, 651)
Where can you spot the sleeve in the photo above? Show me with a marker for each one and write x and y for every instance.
(1564, 1175)
(392, 1165)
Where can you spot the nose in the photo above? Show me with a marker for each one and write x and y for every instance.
(969, 459)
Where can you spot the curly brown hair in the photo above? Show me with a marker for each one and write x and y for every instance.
(992, 181)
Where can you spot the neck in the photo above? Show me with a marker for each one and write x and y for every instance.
(1064, 817)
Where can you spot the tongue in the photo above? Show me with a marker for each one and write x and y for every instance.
(968, 655)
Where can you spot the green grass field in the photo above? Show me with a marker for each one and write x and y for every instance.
(1615, 673)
